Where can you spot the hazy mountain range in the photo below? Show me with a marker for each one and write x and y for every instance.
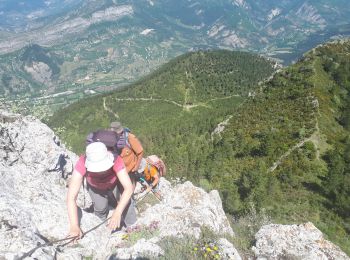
(232, 23)
(78, 47)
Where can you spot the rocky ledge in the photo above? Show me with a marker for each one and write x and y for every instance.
(302, 241)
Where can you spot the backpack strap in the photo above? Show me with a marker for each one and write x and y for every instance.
(123, 141)
(126, 137)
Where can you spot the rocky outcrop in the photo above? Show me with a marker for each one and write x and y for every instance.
(40, 72)
(303, 241)
(310, 14)
(34, 167)
(226, 36)
(185, 209)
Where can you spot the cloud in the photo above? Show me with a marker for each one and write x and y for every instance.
(36, 14)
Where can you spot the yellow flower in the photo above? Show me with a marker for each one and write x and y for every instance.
(215, 248)
(195, 249)
(208, 249)
(205, 255)
(217, 256)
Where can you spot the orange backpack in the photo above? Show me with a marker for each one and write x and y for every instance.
(158, 163)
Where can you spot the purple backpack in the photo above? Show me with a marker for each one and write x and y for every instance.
(108, 137)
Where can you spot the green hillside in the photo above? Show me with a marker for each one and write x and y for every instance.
(289, 146)
(202, 76)
(183, 100)
(285, 147)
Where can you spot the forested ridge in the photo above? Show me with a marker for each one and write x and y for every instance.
(183, 100)
(286, 145)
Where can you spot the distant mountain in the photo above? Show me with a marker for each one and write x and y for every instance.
(263, 26)
(281, 146)
(20, 16)
(35, 67)
(107, 44)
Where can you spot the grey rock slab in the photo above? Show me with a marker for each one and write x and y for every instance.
(302, 241)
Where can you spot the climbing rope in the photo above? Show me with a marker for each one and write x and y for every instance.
(70, 239)
(144, 183)
(145, 195)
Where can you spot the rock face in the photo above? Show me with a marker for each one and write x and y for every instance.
(303, 241)
(34, 166)
(185, 209)
(39, 71)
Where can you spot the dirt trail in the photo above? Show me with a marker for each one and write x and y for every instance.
(313, 138)
(108, 109)
(184, 106)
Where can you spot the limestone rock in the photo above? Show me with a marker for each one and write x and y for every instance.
(303, 241)
(33, 168)
(228, 250)
(185, 209)
(141, 249)
(40, 72)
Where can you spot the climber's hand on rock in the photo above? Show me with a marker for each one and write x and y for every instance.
(75, 233)
(114, 222)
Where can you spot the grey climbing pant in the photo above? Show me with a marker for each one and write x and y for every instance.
(103, 201)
